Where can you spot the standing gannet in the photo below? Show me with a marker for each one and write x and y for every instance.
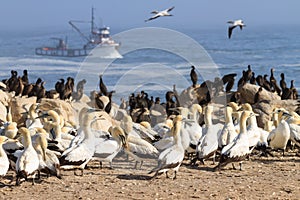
(108, 147)
(239, 148)
(28, 162)
(10, 127)
(61, 141)
(236, 114)
(193, 128)
(208, 144)
(294, 122)
(83, 152)
(172, 157)
(234, 24)
(49, 162)
(279, 136)
(139, 149)
(160, 14)
(228, 132)
(4, 162)
(33, 121)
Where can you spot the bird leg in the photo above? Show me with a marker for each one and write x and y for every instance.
(141, 164)
(110, 165)
(218, 167)
(282, 152)
(233, 166)
(175, 175)
(135, 166)
(18, 181)
(100, 164)
(39, 175)
(167, 175)
(214, 159)
(240, 166)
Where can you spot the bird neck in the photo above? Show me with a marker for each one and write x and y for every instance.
(253, 122)
(177, 137)
(27, 140)
(243, 127)
(2, 152)
(207, 119)
(228, 116)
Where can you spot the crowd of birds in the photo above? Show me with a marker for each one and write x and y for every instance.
(48, 143)
(165, 13)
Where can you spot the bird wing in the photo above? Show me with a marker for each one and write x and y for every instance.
(154, 12)
(154, 17)
(107, 146)
(164, 143)
(169, 9)
(230, 31)
(141, 146)
(228, 77)
(241, 27)
(143, 132)
(271, 135)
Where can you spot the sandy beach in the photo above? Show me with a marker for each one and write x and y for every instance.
(262, 178)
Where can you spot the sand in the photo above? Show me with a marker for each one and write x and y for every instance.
(261, 178)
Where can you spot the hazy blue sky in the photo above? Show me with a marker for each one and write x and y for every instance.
(18, 14)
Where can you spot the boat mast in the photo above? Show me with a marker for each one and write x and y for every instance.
(92, 21)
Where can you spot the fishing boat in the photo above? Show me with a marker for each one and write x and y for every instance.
(99, 38)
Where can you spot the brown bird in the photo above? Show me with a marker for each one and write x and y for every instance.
(102, 86)
(229, 80)
(273, 83)
(194, 76)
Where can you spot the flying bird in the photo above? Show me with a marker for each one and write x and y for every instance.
(162, 13)
(234, 24)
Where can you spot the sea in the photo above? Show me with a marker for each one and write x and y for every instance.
(153, 59)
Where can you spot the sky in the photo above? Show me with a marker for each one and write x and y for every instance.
(125, 14)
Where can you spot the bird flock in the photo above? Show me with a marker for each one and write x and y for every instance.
(165, 13)
(142, 128)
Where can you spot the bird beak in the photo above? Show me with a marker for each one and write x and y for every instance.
(44, 115)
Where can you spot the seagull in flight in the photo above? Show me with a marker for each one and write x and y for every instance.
(160, 13)
(234, 24)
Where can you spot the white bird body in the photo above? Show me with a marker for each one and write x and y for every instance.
(107, 149)
(279, 137)
(254, 132)
(139, 149)
(208, 145)
(294, 129)
(228, 132)
(239, 148)
(28, 161)
(4, 162)
(172, 157)
(194, 132)
(164, 143)
(162, 13)
(163, 129)
(145, 133)
(234, 24)
(83, 152)
(49, 162)
(12, 145)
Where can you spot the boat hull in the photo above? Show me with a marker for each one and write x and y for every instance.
(62, 52)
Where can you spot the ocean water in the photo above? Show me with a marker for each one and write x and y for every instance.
(154, 59)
